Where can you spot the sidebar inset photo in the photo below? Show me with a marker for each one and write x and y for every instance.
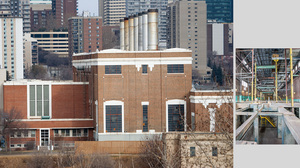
(267, 96)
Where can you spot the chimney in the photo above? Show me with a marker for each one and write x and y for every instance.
(126, 34)
(122, 42)
(140, 33)
(131, 33)
(136, 33)
(145, 31)
(152, 29)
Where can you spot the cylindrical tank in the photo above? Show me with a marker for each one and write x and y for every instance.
(136, 33)
(131, 33)
(126, 34)
(152, 29)
(122, 42)
(145, 31)
(140, 33)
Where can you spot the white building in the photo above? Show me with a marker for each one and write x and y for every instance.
(11, 46)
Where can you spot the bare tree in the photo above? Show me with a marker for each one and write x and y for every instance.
(41, 159)
(10, 123)
(172, 149)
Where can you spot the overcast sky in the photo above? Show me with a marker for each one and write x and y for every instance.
(88, 5)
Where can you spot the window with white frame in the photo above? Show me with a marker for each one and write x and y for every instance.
(113, 118)
(176, 117)
(212, 112)
(39, 97)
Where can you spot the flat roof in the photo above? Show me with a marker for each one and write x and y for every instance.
(124, 51)
(52, 82)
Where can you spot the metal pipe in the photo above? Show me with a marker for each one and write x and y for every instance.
(286, 90)
(145, 31)
(292, 76)
(255, 83)
(140, 33)
(152, 29)
(136, 33)
(122, 42)
(276, 86)
(131, 33)
(126, 34)
(252, 75)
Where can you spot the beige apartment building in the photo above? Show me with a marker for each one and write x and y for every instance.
(187, 28)
(112, 11)
(54, 42)
(30, 51)
(11, 46)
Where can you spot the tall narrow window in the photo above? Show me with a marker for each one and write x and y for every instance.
(145, 118)
(212, 112)
(144, 69)
(176, 117)
(39, 98)
(113, 118)
(192, 151)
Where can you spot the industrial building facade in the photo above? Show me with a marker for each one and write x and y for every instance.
(115, 95)
(51, 111)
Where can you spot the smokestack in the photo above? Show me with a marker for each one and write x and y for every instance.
(122, 42)
(136, 33)
(140, 33)
(126, 35)
(131, 33)
(153, 29)
(145, 31)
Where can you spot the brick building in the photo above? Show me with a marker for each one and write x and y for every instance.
(120, 96)
(51, 112)
(85, 34)
(63, 10)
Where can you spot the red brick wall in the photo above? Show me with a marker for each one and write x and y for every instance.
(15, 97)
(70, 101)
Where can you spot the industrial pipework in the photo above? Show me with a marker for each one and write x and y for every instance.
(140, 32)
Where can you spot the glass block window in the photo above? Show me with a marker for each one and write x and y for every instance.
(39, 100)
(113, 69)
(113, 118)
(192, 151)
(176, 117)
(145, 118)
(176, 68)
(144, 69)
(214, 151)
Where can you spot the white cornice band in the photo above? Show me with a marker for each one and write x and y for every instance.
(206, 100)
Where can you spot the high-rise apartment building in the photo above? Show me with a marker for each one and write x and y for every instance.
(41, 17)
(11, 46)
(85, 34)
(62, 10)
(17, 8)
(220, 10)
(187, 28)
(112, 11)
(134, 7)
